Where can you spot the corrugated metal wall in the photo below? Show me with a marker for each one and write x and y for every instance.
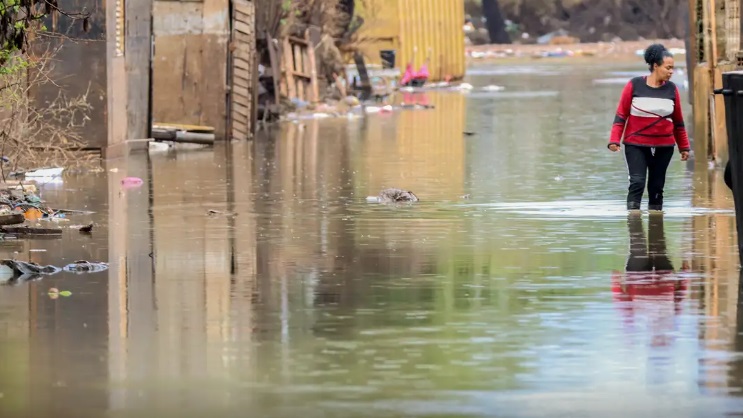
(418, 29)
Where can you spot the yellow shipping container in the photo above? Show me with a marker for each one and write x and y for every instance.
(416, 30)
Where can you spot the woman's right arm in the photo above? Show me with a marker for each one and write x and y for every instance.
(623, 112)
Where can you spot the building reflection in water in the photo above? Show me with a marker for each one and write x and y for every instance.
(290, 262)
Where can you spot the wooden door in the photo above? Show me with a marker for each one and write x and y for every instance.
(242, 72)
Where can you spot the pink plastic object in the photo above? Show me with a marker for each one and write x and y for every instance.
(423, 73)
(131, 182)
(408, 76)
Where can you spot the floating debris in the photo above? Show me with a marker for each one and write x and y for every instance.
(493, 88)
(49, 172)
(27, 231)
(14, 271)
(393, 196)
(12, 219)
(212, 212)
(83, 266)
(55, 293)
(131, 182)
(87, 229)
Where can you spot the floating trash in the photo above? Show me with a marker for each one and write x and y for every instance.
(131, 182)
(55, 293)
(83, 266)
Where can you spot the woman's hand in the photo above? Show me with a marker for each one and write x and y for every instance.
(684, 155)
(614, 147)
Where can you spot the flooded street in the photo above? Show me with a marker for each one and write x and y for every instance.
(533, 297)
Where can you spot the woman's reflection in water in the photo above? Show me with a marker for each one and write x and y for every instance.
(649, 291)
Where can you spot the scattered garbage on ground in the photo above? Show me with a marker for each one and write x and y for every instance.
(22, 211)
(405, 99)
(23, 214)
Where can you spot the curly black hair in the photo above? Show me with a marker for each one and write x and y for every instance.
(655, 54)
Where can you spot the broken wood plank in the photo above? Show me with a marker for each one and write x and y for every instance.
(25, 231)
(314, 87)
(274, 61)
(242, 27)
(12, 219)
(184, 127)
(299, 69)
(288, 69)
(299, 41)
(239, 80)
(241, 64)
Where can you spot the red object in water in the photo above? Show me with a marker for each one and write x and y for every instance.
(415, 98)
(423, 73)
(131, 182)
(408, 76)
(657, 285)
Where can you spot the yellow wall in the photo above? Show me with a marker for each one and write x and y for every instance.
(417, 29)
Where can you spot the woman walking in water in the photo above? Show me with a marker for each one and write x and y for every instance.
(649, 115)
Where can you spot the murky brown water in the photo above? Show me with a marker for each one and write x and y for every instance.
(311, 302)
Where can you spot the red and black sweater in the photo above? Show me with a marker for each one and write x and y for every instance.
(650, 116)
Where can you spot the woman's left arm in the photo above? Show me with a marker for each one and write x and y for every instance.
(679, 129)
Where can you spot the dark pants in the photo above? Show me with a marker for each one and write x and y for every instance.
(647, 165)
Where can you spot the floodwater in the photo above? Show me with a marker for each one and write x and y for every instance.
(537, 296)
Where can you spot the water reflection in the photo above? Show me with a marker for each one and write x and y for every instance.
(311, 301)
(650, 288)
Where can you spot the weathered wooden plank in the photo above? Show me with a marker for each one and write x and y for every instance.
(274, 60)
(242, 38)
(300, 70)
(214, 82)
(241, 82)
(242, 66)
(243, 15)
(298, 41)
(240, 116)
(241, 90)
(312, 64)
(242, 77)
(288, 69)
(241, 128)
(245, 8)
(241, 54)
(168, 77)
(241, 122)
(138, 15)
(241, 106)
(243, 27)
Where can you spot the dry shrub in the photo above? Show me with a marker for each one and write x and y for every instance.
(34, 135)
